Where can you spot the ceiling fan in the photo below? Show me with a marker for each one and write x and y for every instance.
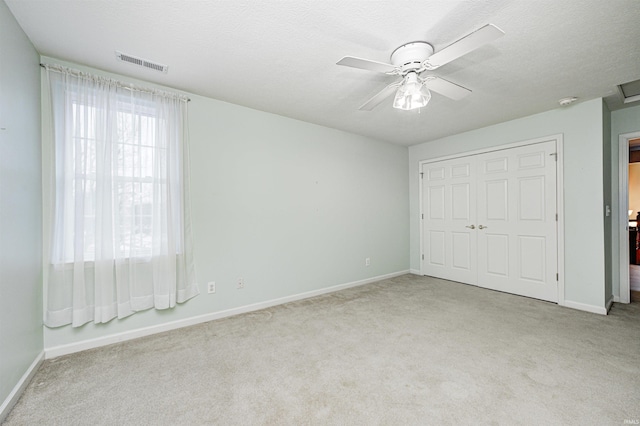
(410, 60)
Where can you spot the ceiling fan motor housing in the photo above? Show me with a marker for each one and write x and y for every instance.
(409, 57)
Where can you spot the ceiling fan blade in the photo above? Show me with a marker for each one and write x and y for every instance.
(446, 88)
(380, 96)
(466, 44)
(367, 64)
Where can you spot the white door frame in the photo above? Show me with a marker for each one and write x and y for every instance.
(559, 196)
(623, 207)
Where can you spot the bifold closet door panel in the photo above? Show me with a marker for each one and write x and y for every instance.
(449, 208)
(516, 214)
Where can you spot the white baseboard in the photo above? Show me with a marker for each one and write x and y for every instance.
(57, 351)
(616, 299)
(588, 308)
(415, 271)
(19, 388)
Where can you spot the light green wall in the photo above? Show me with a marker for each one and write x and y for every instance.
(623, 121)
(289, 206)
(582, 127)
(20, 205)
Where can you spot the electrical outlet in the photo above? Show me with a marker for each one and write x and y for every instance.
(240, 283)
(367, 262)
(211, 287)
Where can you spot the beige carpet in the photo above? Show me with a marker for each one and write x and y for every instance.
(409, 350)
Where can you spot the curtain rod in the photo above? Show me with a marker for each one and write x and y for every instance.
(125, 87)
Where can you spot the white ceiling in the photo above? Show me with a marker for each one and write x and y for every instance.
(279, 55)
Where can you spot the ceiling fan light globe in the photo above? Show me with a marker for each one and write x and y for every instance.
(411, 96)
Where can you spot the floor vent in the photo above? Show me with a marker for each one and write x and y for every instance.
(141, 62)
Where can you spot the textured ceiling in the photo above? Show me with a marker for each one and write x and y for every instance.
(279, 55)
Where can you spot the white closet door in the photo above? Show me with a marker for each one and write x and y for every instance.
(516, 221)
(449, 208)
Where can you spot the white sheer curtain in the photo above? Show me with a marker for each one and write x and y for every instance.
(121, 237)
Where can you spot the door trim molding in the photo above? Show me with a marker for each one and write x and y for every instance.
(559, 140)
(623, 207)
(560, 209)
(492, 149)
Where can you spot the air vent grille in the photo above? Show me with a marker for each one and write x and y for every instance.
(630, 91)
(141, 62)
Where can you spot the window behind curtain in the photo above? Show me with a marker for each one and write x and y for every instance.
(135, 154)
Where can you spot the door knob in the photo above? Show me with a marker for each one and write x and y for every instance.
(470, 226)
(482, 227)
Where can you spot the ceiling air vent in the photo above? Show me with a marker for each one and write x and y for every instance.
(630, 91)
(141, 62)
